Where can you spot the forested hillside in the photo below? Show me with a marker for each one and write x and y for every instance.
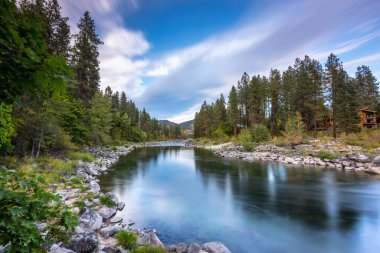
(324, 97)
(50, 99)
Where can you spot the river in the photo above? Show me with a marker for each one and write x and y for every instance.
(191, 195)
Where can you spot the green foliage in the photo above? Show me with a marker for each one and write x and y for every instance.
(24, 201)
(126, 239)
(150, 249)
(325, 154)
(107, 201)
(81, 156)
(7, 128)
(369, 139)
(294, 129)
(260, 133)
(79, 203)
(245, 139)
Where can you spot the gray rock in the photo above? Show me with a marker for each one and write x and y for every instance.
(374, 168)
(88, 218)
(120, 206)
(55, 248)
(106, 212)
(181, 248)
(92, 171)
(94, 187)
(116, 219)
(171, 248)
(215, 247)
(84, 240)
(96, 201)
(194, 248)
(148, 238)
(66, 195)
(109, 231)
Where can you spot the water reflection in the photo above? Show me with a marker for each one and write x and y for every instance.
(192, 195)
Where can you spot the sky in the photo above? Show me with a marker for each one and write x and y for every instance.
(170, 55)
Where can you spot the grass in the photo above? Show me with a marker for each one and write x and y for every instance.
(79, 203)
(83, 156)
(107, 201)
(368, 139)
(325, 154)
(126, 239)
(150, 249)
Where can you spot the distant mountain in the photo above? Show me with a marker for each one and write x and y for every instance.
(166, 122)
(187, 125)
(184, 125)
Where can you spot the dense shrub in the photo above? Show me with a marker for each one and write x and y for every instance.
(126, 239)
(150, 249)
(260, 133)
(325, 154)
(24, 203)
(245, 139)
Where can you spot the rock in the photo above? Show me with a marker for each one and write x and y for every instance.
(92, 171)
(94, 187)
(120, 206)
(106, 212)
(87, 202)
(82, 173)
(357, 158)
(181, 248)
(171, 248)
(194, 248)
(96, 201)
(55, 248)
(148, 238)
(113, 197)
(66, 195)
(84, 240)
(116, 219)
(109, 231)
(215, 247)
(88, 218)
(374, 168)
(289, 160)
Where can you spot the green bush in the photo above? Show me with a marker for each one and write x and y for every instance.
(245, 139)
(369, 139)
(83, 156)
(126, 239)
(25, 201)
(260, 133)
(107, 201)
(150, 249)
(325, 154)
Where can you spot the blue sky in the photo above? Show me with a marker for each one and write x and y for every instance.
(171, 55)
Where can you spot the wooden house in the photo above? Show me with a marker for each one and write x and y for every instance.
(367, 118)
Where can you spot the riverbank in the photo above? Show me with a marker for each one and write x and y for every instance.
(98, 211)
(328, 154)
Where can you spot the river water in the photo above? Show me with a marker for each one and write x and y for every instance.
(190, 195)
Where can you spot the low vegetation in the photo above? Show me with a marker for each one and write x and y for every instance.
(83, 156)
(107, 201)
(369, 139)
(127, 239)
(325, 154)
(150, 249)
(25, 202)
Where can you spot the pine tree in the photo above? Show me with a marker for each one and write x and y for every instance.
(233, 110)
(123, 103)
(220, 110)
(115, 101)
(256, 100)
(274, 90)
(85, 60)
(242, 90)
(367, 87)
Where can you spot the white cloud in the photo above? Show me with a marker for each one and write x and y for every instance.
(363, 60)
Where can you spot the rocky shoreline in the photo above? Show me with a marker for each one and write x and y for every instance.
(98, 223)
(352, 158)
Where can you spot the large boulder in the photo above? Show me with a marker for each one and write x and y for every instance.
(120, 205)
(92, 170)
(88, 218)
(84, 240)
(106, 212)
(215, 247)
(94, 187)
(357, 157)
(55, 248)
(374, 168)
(109, 231)
(181, 248)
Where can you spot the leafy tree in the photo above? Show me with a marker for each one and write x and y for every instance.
(294, 129)
(85, 60)
(233, 110)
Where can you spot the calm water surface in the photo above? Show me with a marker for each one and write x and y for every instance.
(191, 195)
